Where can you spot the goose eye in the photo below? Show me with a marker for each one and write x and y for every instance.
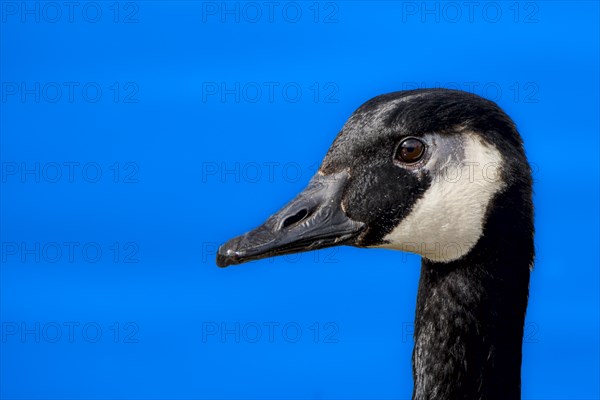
(410, 151)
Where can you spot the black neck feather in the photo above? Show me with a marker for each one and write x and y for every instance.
(470, 312)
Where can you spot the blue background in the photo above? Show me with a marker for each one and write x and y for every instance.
(171, 105)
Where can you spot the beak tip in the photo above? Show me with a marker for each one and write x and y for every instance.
(227, 256)
(224, 257)
(222, 261)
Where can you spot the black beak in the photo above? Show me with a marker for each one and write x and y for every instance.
(313, 220)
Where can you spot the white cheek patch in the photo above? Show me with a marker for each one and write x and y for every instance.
(447, 221)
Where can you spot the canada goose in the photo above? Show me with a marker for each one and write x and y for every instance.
(441, 173)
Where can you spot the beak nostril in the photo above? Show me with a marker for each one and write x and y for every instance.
(291, 220)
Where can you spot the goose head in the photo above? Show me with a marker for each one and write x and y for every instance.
(416, 171)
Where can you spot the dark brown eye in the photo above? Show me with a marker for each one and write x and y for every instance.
(410, 151)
